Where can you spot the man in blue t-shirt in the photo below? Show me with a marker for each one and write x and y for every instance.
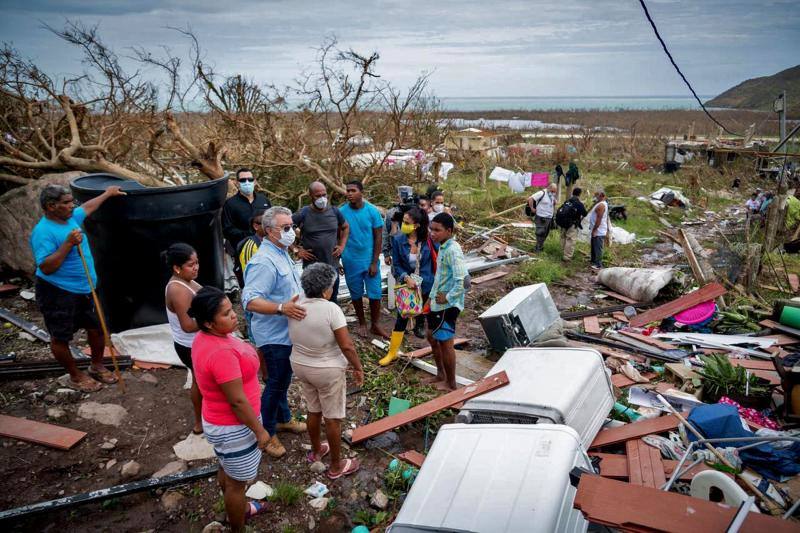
(360, 257)
(63, 293)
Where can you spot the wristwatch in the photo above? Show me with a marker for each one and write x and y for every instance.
(280, 309)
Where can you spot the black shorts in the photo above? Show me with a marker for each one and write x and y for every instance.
(184, 354)
(443, 323)
(64, 312)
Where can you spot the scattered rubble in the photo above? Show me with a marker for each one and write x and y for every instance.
(130, 469)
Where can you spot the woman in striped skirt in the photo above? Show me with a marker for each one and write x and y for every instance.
(226, 370)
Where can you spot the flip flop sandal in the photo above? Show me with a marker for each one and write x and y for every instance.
(87, 385)
(325, 448)
(255, 508)
(350, 467)
(103, 377)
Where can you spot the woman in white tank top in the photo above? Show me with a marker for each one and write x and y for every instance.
(181, 288)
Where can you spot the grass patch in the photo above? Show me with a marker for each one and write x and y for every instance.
(286, 493)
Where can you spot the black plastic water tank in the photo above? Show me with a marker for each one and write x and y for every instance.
(128, 233)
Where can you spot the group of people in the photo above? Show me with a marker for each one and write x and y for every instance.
(758, 203)
(541, 207)
(294, 324)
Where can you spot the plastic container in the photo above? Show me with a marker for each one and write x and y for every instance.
(496, 478)
(569, 386)
(697, 314)
(128, 233)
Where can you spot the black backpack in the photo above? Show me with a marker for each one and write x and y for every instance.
(567, 215)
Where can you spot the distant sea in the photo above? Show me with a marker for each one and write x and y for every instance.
(544, 103)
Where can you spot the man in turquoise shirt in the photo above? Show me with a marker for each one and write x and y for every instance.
(63, 293)
(360, 257)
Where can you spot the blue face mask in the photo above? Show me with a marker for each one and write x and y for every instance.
(247, 187)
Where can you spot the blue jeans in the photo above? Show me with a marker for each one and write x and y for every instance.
(274, 402)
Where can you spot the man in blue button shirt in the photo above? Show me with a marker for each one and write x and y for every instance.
(271, 290)
(63, 294)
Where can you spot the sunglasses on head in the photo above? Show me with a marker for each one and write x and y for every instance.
(242, 180)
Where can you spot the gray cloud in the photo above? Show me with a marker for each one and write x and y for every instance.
(474, 47)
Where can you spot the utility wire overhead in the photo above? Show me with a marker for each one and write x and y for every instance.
(666, 51)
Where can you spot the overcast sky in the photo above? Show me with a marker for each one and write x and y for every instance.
(473, 47)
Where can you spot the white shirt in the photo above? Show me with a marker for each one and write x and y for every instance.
(545, 204)
(602, 229)
(313, 341)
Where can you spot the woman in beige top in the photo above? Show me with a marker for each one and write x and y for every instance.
(321, 351)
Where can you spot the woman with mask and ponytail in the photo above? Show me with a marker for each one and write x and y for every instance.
(182, 261)
(413, 264)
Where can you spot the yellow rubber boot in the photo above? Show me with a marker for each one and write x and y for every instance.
(394, 346)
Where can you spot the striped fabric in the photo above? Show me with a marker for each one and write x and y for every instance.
(249, 248)
(236, 448)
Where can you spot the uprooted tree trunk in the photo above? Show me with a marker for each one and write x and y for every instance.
(19, 213)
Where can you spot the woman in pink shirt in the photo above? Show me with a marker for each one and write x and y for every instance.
(226, 370)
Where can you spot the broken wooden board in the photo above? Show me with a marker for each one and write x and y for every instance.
(681, 371)
(420, 411)
(144, 365)
(644, 464)
(424, 352)
(753, 364)
(412, 457)
(708, 292)
(618, 315)
(630, 507)
(621, 380)
(7, 288)
(655, 343)
(620, 297)
(771, 324)
(635, 430)
(781, 339)
(616, 466)
(770, 374)
(591, 325)
(489, 277)
(50, 435)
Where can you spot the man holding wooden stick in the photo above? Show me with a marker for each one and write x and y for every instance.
(63, 292)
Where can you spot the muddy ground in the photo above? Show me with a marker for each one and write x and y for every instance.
(159, 416)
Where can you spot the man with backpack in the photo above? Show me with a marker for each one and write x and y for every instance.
(542, 206)
(568, 218)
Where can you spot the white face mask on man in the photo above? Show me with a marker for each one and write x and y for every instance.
(287, 237)
(321, 202)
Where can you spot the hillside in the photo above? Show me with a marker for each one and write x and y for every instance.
(759, 93)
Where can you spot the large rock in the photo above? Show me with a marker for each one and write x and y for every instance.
(171, 468)
(194, 448)
(105, 413)
(19, 213)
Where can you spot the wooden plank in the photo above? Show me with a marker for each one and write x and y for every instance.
(425, 409)
(620, 297)
(616, 466)
(621, 380)
(591, 325)
(628, 507)
(753, 364)
(656, 343)
(424, 352)
(659, 474)
(57, 437)
(794, 282)
(412, 457)
(144, 365)
(646, 460)
(620, 316)
(635, 430)
(771, 324)
(489, 277)
(7, 288)
(709, 292)
(634, 463)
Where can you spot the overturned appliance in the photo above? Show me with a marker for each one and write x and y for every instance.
(519, 317)
(498, 478)
(569, 386)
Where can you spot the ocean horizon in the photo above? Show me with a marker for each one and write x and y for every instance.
(554, 103)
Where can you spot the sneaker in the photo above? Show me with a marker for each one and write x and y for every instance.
(292, 426)
(274, 448)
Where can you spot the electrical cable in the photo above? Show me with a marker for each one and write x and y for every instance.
(666, 51)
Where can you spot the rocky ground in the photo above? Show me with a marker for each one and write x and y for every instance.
(131, 434)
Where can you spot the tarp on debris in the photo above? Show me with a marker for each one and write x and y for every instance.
(618, 235)
(152, 344)
(667, 196)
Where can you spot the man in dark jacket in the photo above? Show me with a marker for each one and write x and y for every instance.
(569, 235)
(237, 213)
